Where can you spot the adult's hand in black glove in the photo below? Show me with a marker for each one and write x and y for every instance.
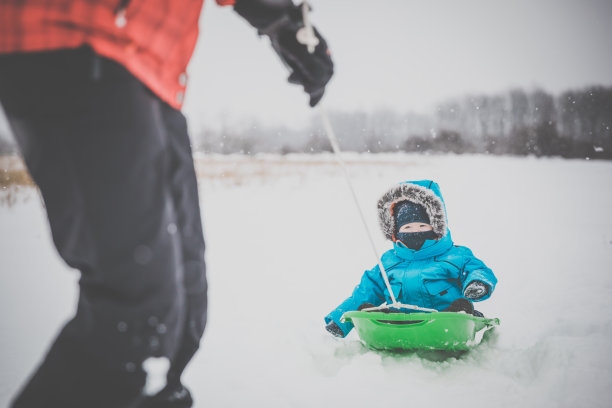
(334, 329)
(475, 290)
(306, 54)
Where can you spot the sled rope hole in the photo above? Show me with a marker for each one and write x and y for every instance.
(331, 135)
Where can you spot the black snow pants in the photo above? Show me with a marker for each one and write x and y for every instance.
(115, 170)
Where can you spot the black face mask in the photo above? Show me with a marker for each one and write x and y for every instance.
(415, 240)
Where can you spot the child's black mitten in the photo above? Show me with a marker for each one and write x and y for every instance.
(476, 290)
(334, 329)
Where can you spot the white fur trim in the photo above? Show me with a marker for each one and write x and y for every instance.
(417, 194)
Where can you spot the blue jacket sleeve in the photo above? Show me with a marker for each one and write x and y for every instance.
(475, 270)
(369, 290)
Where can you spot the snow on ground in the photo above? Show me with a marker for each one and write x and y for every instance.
(285, 246)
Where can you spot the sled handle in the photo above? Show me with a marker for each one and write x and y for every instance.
(487, 322)
(490, 322)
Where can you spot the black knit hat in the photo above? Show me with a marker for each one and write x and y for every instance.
(406, 212)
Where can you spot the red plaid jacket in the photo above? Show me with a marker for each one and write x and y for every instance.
(153, 39)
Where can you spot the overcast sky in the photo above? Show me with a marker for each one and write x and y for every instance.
(402, 54)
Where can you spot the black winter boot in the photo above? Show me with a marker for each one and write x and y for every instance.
(460, 305)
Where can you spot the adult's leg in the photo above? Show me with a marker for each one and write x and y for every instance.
(186, 202)
(184, 188)
(94, 141)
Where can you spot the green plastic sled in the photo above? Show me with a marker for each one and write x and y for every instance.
(418, 331)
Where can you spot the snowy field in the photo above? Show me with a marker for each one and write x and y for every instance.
(285, 246)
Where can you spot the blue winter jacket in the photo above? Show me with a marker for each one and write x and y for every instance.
(431, 277)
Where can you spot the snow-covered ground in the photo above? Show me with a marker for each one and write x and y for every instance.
(285, 245)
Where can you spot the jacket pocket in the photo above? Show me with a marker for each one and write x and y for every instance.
(442, 288)
(396, 287)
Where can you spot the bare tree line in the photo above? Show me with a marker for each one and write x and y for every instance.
(574, 124)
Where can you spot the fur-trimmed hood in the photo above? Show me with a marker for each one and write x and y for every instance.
(423, 192)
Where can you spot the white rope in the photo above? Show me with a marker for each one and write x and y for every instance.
(306, 35)
(331, 135)
(397, 305)
(338, 155)
(311, 41)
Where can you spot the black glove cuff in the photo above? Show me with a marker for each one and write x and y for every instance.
(275, 26)
(267, 16)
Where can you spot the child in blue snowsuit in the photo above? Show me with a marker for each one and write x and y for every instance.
(424, 267)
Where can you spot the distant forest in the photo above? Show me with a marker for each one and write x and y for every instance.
(574, 124)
